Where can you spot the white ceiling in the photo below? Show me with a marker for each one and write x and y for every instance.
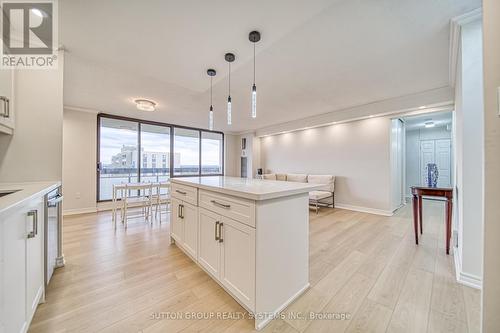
(315, 56)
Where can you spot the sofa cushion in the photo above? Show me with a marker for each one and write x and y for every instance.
(281, 176)
(295, 177)
(269, 176)
(328, 180)
(318, 195)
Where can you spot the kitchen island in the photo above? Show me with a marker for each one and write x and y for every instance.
(249, 235)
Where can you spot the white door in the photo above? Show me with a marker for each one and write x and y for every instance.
(34, 256)
(238, 260)
(209, 246)
(190, 221)
(13, 270)
(438, 152)
(427, 155)
(443, 162)
(176, 224)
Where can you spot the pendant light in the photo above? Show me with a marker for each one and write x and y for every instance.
(254, 37)
(229, 58)
(211, 73)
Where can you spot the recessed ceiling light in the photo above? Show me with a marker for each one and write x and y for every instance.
(145, 105)
(422, 107)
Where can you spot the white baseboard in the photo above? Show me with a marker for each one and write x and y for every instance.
(466, 279)
(77, 211)
(364, 209)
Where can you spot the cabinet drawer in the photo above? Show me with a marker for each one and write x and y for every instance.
(238, 209)
(185, 193)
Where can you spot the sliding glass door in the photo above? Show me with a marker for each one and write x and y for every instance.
(133, 150)
(155, 153)
(186, 152)
(118, 161)
(211, 153)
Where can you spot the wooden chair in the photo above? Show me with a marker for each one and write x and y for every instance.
(142, 200)
(160, 198)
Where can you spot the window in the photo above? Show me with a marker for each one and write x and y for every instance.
(186, 152)
(117, 155)
(211, 153)
(132, 150)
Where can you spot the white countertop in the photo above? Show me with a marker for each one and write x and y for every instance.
(254, 189)
(25, 192)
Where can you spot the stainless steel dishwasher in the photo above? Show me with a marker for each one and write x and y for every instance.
(53, 233)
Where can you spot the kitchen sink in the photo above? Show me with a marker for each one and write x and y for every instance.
(7, 192)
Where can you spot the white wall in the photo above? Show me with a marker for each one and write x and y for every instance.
(34, 151)
(357, 153)
(413, 138)
(231, 149)
(79, 161)
(469, 156)
(491, 285)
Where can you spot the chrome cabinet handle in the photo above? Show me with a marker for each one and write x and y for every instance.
(181, 192)
(216, 230)
(220, 232)
(34, 215)
(220, 204)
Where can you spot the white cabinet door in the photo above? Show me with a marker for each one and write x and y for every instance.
(190, 221)
(238, 260)
(176, 224)
(6, 100)
(13, 290)
(209, 247)
(34, 257)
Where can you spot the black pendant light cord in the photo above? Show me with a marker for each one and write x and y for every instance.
(211, 78)
(229, 79)
(253, 63)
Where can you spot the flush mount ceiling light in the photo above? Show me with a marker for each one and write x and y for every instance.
(211, 73)
(429, 123)
(229, 58)
(254, 37)
(145, 104)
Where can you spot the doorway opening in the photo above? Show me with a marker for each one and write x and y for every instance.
(429, 140)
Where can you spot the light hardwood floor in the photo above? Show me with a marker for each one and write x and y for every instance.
(361, 265)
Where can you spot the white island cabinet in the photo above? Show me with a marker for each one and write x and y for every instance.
(250, 235)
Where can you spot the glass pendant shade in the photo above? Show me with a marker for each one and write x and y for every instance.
(254, 101)
(229, 120)
(211, 119)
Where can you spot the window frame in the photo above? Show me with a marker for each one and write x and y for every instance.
(139, 157)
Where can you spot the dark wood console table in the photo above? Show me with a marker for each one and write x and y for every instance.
(418, 192)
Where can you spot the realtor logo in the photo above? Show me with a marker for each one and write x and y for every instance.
(29, 34)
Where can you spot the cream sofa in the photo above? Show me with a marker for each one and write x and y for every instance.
(325, 196)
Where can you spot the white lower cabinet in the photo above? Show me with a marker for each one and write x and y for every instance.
(237, 271)
(21, 267)
(176, 225)
(184, 226)
(227, 252)
(209, 248)
(190, 220)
